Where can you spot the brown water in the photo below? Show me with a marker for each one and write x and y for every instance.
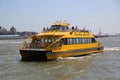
(101, 66)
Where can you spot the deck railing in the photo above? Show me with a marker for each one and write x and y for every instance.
(28, 44)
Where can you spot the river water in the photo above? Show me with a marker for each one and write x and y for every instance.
(100, 66)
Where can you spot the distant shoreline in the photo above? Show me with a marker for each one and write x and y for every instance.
(8, 37)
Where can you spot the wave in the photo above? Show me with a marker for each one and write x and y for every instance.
(112, 48)
(69, 58)
(15, 42)
(73, 58)
(11, 42)
(89, 56)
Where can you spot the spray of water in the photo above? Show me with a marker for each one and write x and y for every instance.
(112, 48)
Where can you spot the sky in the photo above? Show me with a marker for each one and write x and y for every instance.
(33, 15)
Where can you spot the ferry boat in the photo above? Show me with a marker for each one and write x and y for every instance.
(59, 41)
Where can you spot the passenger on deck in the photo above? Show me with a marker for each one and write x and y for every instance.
(44, 29)
(73, 29)
(47, 29)
(76, 28)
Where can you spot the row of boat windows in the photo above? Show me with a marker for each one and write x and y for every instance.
(45, 40)
(68, 41)
(59, 27)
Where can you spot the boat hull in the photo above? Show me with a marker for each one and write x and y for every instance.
(33, 55)
(44, 55)
(75, 53)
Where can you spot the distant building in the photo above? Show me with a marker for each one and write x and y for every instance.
(117, 35)
(2, 29)
(100, 35)
(13, 29)
(27, 33)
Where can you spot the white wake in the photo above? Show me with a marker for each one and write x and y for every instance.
(112, 48)
(74, 58)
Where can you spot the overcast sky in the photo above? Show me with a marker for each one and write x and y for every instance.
(33, 15)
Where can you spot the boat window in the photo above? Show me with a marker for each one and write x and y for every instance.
(42, 39)
(53, 39)
(70, 40)
(55, 27)
(80, 40)
(85, 39)
(65, 41)
(77, 41)
(49, 40)
(58, 27)
(45, 40)
(73, 41)
(37, 41)
(93, 40)
(89, 39)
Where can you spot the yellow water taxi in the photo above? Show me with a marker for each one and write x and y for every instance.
(59, 41)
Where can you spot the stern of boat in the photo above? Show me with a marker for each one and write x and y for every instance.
(34, 54)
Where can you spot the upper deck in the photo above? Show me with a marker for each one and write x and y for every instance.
(62, 28)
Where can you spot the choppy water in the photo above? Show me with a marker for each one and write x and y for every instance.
(101, 66)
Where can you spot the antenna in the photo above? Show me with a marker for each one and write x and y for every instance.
(99, 32)
(84, 28)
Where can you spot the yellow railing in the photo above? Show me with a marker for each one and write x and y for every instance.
(27, 44)
(54, 43)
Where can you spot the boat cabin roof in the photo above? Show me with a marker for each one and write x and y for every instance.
(62, 29)
(63, 24)
(58, 27)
